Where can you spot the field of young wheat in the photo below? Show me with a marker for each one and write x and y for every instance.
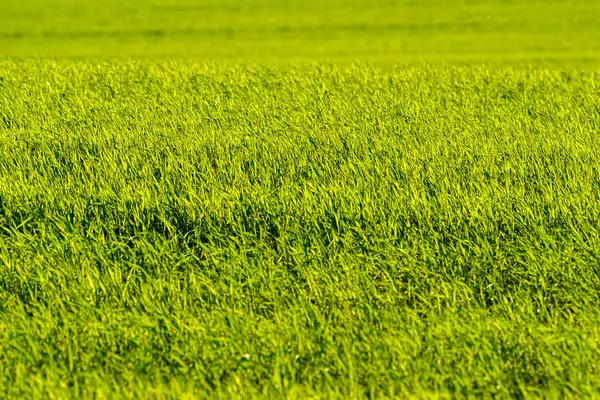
(193, 229)
(290, 199)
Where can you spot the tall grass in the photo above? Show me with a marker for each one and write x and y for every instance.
(172, 230)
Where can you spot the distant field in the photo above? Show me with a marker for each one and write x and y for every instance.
(384, 32)
(171, 229)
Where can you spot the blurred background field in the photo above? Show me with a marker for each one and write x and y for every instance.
(564, 33)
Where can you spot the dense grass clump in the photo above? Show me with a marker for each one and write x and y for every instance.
(171, 229)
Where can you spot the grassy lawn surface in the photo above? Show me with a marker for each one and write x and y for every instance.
(299, 199)
(171, 229)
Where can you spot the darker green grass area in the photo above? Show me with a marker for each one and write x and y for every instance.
(312, 231)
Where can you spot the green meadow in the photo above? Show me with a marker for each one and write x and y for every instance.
(275, 32)
(290, 200)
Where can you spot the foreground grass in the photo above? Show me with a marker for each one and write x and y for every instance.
(170, 230)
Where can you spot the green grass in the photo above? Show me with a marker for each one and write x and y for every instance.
(385, 32)
(177, 229)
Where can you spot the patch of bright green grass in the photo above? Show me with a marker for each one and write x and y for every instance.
(172, 230)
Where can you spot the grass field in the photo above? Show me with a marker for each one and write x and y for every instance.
(304, 231)
(385, 32)
(299, 199)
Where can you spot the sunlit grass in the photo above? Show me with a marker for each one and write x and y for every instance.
(171, 229)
